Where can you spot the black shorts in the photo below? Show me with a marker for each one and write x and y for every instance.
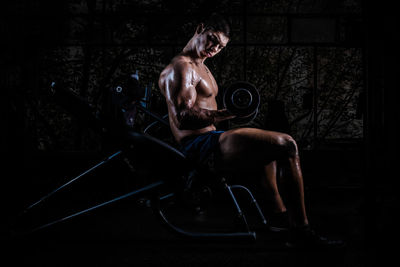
(203, 148)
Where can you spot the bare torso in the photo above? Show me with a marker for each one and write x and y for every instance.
(200, 78)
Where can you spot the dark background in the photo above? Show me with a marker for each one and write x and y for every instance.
(326, 72)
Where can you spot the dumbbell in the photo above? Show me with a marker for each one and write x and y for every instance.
(243, 100)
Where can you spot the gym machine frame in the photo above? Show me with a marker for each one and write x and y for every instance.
(136, 138)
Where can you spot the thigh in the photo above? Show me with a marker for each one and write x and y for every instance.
(251, 147)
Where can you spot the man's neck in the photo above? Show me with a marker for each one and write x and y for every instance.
(191, 51)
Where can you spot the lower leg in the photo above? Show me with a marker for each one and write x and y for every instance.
(270, 184)
(295, 187)
(248, 147)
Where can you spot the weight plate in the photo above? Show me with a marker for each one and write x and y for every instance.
(242, 99)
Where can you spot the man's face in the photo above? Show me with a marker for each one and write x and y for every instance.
(211, 43)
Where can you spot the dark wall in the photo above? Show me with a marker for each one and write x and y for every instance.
(381, 132)
(305, 57)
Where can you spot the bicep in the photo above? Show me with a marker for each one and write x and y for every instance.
(185, 94)
(186, 97)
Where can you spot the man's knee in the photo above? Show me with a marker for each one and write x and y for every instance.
(289, 144)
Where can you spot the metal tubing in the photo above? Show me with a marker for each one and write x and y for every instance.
(253, 200)
(146, 188)
(242, 235)
(240, 212)
(72, 180)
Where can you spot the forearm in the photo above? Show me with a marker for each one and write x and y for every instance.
(197, 118)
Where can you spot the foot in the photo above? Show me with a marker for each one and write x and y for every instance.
(305, 237)
(278, 222)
